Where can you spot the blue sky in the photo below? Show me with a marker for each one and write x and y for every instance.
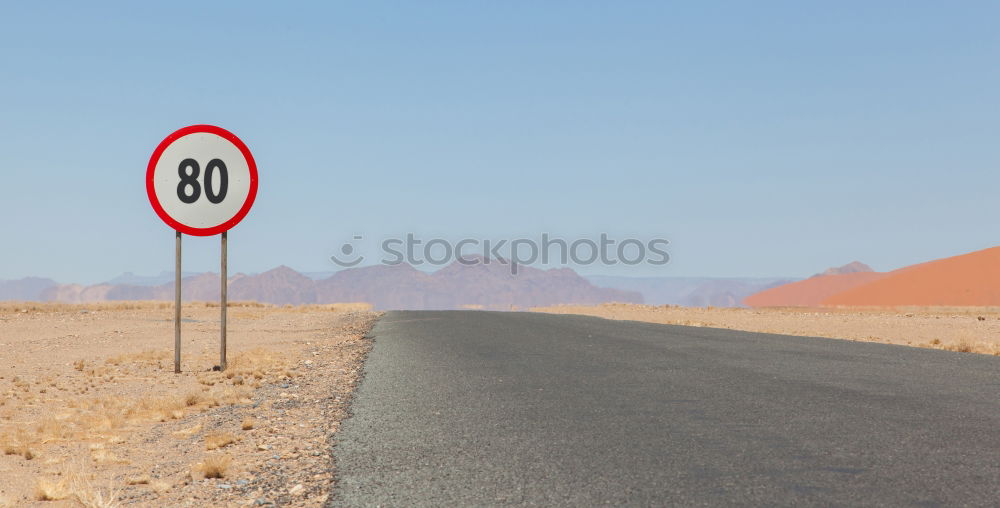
(760, 138)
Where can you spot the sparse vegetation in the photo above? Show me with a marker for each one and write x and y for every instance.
(188, 432)
(218, 440)
(142, 479)
(102, 456)
(159, 486)
(14, 307)
(961, 347)
(74, 485)
(17, 444)
(193, 399)
(51, 490)
(117, 392)
(91, 497)
(215, 466)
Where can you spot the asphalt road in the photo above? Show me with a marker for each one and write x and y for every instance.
(480, 408)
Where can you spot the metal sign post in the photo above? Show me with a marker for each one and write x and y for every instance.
(201, 180)
(177, 307)
(224, 305)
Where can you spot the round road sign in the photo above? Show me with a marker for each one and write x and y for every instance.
(201, 180)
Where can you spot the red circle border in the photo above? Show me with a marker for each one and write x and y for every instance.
(151, 192)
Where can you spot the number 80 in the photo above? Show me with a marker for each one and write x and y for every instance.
(190, 179)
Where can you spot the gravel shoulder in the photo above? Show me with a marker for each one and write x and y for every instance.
(92, 413)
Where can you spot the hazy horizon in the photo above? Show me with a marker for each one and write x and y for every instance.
(168, 275)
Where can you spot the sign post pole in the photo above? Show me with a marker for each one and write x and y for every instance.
(177, 307)
(225, 303)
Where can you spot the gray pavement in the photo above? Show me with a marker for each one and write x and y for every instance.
(482, 409)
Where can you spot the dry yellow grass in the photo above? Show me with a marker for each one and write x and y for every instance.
(99, 415)
(53, 429)
(142, 479)
(17, 307)
(52, 490)
(335, 307)
(11, 444)
(215, 466)
(159, 486)
(218, 440)
(17, 444)
(102, 456)
(247, 424)
(76, 486)
(188, 432)
(146, 357)
(193, 399)
(91, 497)
(94, 498)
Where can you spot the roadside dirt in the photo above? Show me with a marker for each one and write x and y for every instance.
(92, 413)
(965, 329)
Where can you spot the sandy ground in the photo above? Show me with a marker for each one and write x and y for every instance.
(92, 413)
(963, 329)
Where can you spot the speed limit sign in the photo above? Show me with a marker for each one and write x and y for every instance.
(201, 180)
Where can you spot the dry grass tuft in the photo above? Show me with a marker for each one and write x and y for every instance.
(335, 307)
(247, 424)
(9, 448)
(53, 429)
(188, 432)
(961, 347)
(159, 486)
(18, 444)
(51, 490)
(142, 479)
(236, 395)
(14, 307)
(158, 409)
(102, 456)
(215, 466)
(10, 445)
(91, 497)
(219, 440)
(258, 363)
(193, 399)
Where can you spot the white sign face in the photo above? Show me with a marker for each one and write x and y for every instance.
(201, 180)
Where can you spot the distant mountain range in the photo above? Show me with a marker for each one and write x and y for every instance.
(691, 291)
(481, 285)
(403, 287)
(971, 279)
(29, 288)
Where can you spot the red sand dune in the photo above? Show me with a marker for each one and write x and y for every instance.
(967, 280)
(810, 292)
